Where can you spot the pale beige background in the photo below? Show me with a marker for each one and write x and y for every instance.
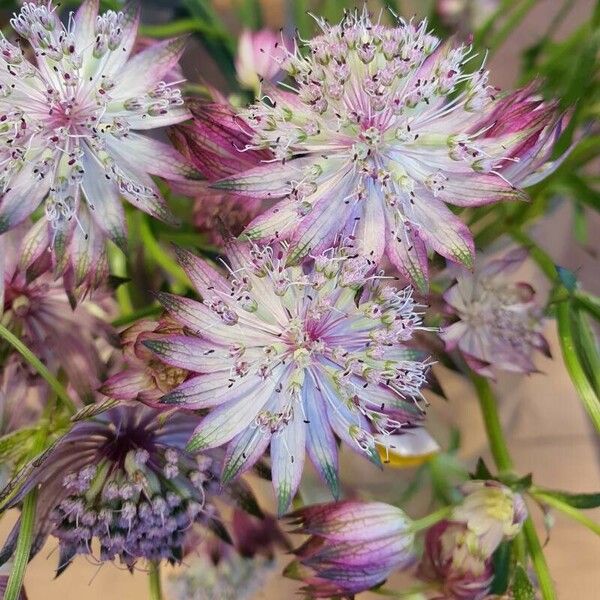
(547, 428)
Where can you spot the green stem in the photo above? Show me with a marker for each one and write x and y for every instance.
(541, 257)
(504, 462)
(493, 427)
(182, 27)
(510, 24)
(539, 561)
(25, 539)
(154, 581)
(431, 519)
(158, 254)
(35, 362)
(578, 377)
(15, 581)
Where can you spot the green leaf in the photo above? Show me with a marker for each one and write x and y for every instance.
(573, 362)
(587, 347)
(522, 588)
(11, 444)
(583, 501)
(482, 471)
(501, 561)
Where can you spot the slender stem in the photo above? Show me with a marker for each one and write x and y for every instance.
(504, 462)
(23, 549)
(155, 251)
(431, 519)
(25, 539)
(154, 580)
(510, 24)
(493, 427)
(181, 27)
(35, 362)
(539, 561)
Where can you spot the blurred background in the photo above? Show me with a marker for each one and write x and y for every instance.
(547, 428)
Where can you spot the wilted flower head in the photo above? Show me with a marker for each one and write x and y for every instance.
(259, 56)
(492, 511)
(121, 479)
(499, 324)
(385, 128)
(70, 125)
(290, 356)
(353, 546)
(144, 378)
(35, 306)
(212, 142)
(454, 559)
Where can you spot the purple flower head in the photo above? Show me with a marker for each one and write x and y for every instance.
(453, 559)
(292, 357)
(144, 378)
(500, 324)
(385, 127)
(35, 306)
(71, 124)
(353, 546)
(123, 480)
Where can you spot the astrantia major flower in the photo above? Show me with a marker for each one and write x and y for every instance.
(353, 546)
(123, 480)
(70, 123)
(35, 306)
(384, 126)
(499, 323)
(291, 357)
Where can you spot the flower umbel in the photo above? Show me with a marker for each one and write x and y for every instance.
(385, 126)
(124, 480)
(70, 125)
(353, 546)
(291, 355)
(500, 324)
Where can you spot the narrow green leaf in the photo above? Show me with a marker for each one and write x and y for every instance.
(501, 561)
(587, 348)
(583, 501)
(522, 588)
(568, 510)
(587, 394)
